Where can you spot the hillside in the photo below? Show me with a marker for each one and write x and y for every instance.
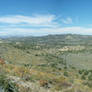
(57, 63)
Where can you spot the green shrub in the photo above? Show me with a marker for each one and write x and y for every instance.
(7, 85)
(90, 77)
(80, 71)
(66, 73)
(86, 73)
(83, 77)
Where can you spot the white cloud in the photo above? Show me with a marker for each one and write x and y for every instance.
(67, 20)
(29, 20)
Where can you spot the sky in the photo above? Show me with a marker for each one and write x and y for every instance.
(44, 17)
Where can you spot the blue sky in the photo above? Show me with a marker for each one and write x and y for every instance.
(43, 17)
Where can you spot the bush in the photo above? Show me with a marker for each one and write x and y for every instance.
(44, 83)
(7, 85)
(86, 73)
(90, 77)
(80, 71)
(66, 74)
(83, 77)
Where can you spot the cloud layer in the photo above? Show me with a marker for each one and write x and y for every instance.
(38, 25)
(45, 31)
